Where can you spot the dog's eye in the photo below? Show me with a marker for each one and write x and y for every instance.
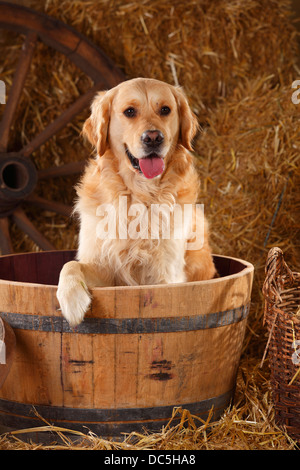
(130, 112)
(165, 110)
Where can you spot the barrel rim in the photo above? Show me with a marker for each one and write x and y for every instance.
(248, 269)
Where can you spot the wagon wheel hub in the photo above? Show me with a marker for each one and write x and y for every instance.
(18, 178)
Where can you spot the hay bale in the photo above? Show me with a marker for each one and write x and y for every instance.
(248, 161)
(208, 47)
(204, 46)
(248, 155)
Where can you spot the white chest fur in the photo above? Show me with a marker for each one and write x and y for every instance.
(139, 244)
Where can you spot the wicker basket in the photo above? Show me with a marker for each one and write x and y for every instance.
(282, 316)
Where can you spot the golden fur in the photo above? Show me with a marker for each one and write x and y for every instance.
(111, 176)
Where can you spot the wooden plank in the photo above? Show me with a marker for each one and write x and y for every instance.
(35, 373)
(126, 370)
(25, 268)
(76, 363)
(7, 268)
(5, 239)
(104, 371)
(48, 268)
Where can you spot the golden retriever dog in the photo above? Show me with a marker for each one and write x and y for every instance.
(142, 132)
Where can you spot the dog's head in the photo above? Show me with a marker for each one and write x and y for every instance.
(142, 121)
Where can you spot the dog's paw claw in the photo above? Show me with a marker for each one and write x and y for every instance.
(74, 302)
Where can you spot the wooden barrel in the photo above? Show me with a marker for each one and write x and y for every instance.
(7, 349)
(139, 352)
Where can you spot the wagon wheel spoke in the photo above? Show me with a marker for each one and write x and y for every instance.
(18, 174)
(22, 221)
(68, 169)
(53, 206)
(61, 121)
(5, 240)
(17, 87)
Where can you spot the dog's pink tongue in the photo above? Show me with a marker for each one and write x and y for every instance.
(152, 166)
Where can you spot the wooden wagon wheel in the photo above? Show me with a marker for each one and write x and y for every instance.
(18, 174)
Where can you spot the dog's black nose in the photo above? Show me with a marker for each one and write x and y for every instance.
(152, 139)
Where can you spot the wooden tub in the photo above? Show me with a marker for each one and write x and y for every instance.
(139, 352)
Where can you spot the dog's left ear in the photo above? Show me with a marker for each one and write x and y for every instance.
(96, 126)
(188, 121)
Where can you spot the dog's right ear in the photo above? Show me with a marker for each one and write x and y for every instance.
(96, 126)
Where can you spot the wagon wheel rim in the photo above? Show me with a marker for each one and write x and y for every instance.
(18, 174)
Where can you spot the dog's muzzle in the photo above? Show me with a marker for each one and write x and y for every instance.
(150, 166)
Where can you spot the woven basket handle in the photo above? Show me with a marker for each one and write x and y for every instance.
(276, 268)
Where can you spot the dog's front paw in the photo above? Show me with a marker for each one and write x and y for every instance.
(74, 299)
